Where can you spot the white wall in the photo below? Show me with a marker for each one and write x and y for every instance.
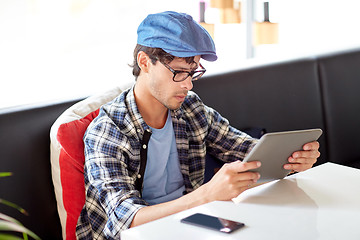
(58, 49)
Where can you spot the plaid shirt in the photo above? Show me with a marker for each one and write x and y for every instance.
(112, 158)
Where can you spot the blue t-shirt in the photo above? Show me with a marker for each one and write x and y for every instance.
(163, 180)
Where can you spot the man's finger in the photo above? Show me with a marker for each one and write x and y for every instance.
(302, 160)
(239, 166)
(306, 154)
(311, 146)
(247, 176)
(297, 167)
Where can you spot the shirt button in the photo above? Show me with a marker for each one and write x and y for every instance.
(144, 146)
(139, 175)
(138, 130)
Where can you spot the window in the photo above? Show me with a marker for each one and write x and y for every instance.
(61, 49)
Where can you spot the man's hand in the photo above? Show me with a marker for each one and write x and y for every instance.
(231, 180)
(303, 160)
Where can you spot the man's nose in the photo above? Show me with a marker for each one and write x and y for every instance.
(187, 83)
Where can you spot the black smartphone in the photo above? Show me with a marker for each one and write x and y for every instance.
(215, 223)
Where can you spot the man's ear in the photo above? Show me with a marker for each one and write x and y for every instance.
(143, 61)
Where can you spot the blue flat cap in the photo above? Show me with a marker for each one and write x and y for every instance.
(177, 34)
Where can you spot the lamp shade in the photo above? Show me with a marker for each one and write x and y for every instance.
(222, 3)
(266, 33)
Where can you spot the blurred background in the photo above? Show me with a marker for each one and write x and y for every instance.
(52, 50)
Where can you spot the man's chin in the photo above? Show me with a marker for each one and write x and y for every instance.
(173, 106)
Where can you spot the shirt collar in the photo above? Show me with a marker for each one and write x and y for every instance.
(136, 118)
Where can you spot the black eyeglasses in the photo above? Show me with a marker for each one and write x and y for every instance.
(180, 76)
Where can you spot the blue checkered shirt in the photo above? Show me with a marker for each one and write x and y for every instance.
(112, 158)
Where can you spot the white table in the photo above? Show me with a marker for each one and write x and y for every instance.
(321, 203)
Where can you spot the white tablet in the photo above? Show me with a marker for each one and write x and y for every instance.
(274, 149)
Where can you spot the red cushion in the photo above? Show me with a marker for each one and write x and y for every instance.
(71, 161)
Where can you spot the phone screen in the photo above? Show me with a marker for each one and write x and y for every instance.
(215, 223)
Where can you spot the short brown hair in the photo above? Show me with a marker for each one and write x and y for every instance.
(154, 54)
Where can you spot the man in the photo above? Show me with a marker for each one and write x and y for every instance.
(145, 152)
